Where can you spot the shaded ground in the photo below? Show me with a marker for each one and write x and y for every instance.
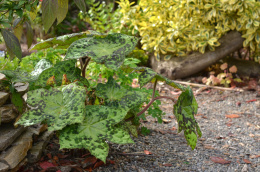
(230, 123)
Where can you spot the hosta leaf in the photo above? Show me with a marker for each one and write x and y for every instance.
(57, 107)
(64, 41)
(97, 126)
(109, 49)
(184, 111)
(61, 68)
(111, 90)
(148, 75)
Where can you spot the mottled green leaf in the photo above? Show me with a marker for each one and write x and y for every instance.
(184, 111)
(12, 43)
(64, 41)
(97, 126)
(49, 13)
(62, 10)
(120, 135)
(119, 97)
(109, 49)
(42, 65)
(57, 107)
(18, 28)
(111, 90)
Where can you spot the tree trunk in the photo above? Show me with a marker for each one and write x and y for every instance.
(180, 67)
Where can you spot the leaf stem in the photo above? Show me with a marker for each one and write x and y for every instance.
(150, 103)
(154, 88)
(85, 66)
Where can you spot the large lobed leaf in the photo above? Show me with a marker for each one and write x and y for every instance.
(184, 111)
(64, 41)
(98, 126)
(57, 107)
(109, 49)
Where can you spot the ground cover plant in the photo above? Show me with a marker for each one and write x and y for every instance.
(92, 115)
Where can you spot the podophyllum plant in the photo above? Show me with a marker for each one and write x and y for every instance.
(89, 118)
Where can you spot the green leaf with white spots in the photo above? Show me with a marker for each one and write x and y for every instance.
(64, 67)
(57, 107)
(110, 49)
(111, 90)
(97, 127)
(184, 111)
(64, 41)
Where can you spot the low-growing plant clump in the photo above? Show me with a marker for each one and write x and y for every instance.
(86, 113)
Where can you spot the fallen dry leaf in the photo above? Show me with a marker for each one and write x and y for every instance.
(173, 128)
(219, 160)
(247, 161)
(208, 147)
(46, 164)
(147, 152)
(98, 164)
(171, 117)
(166, 120)
(223, 66)
(229, 124)
(232, 116)
(233, 69)
(254, 156)
(253, 100)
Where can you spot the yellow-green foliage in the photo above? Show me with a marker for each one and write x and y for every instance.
(180, 26)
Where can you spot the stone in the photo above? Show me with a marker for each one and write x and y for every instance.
(3, 97)
(2, 76)
(38, 128)
(21, 88)
(7, 113)
(9, 134)
(35, 152)
(16, 154)
(3, 167)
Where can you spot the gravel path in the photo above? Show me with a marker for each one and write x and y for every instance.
(236, 140)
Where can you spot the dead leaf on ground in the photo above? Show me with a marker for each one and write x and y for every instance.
(229, 124)
(247, 161)
(208, 147)
(147, 152)
(253, 100)
(173, 128)
(98, 164)
(44, 165)
(219, 160)
(232, 116)
(254, 156)
(167, 165)
(171, 117)
(166, 120)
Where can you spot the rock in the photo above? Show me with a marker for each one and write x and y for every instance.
(7, 113)
(38, 128)
(35, 153)
(16, 154)
(9, 134)
(2, 76)
(3, 97)
(22, 163)
(21, 88)
(3, 167)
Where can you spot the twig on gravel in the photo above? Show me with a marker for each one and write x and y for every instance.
(208, 86)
